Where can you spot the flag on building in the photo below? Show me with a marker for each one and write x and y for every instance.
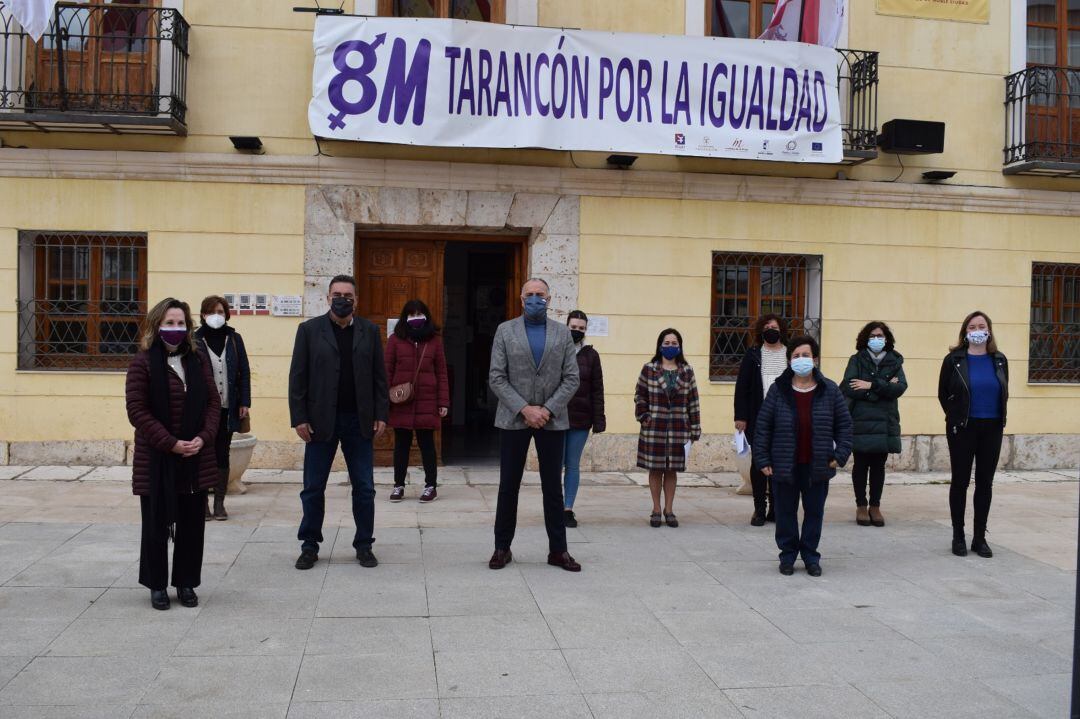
(33, 15)
(813, 21)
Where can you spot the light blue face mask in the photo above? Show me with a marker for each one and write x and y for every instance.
(802, 366)
(876, 344)
(535, 308)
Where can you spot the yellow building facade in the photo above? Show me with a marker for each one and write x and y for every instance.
(640, 248)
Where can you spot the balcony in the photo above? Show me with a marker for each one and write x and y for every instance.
(119, 68)
(1042, 122)
(858, 83)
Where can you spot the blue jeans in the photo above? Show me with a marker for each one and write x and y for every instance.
(786, 503)
(575, 445)
(359, 457)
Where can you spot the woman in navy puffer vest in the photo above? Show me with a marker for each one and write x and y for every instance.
(803, 434)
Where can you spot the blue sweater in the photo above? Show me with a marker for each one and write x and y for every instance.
(985, 388)
(537, 334)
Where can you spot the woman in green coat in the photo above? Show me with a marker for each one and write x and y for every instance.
(873, 383)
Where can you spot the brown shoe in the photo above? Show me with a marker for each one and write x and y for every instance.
(875, 517)
(564, 560)
(862, 517)
(500, 559)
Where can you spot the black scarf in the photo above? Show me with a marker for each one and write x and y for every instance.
(425, 332)
(215, 338)
(169, 468)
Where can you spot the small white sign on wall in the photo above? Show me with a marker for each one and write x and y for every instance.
(288, 306)
(598, 326)
(391, 323)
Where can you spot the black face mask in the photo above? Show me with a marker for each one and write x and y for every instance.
(341, 306)
(771, 336)
(578, 335)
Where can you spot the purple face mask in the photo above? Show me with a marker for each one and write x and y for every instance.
(172, 335)
(416, 322)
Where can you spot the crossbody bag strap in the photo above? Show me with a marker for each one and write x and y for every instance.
(416, 375)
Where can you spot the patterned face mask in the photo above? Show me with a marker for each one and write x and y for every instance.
(978, 337)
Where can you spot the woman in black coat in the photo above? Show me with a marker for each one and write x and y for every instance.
(803, 434)
(873, 382)
(973, 389)
(223, 347)
(586, 411)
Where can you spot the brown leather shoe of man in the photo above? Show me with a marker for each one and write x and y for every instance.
(564, 560)
(876, 518)
(862, 516)
(500, 559)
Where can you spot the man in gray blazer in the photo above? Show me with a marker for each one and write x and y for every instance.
(534, 373)
(338, 394)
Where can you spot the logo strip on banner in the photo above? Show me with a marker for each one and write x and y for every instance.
(452, 83)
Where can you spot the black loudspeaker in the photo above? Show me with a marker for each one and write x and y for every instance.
(912, 137)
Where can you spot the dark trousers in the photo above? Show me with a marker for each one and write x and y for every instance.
(425, 438)
(318, 458)
(761, 487)
(786, 495)
(187, 545)
(223, 441)
(872, 464)
(513, 450)
(978, 443)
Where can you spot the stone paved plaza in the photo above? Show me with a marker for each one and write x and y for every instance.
(687, 622)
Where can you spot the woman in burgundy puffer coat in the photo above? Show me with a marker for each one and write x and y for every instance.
(416, 340)
(173, 405)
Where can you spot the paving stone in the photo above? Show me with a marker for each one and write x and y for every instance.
(510, 632)
(501, 673)
(807, 702)
(10, 666)
(80, 681)
(96, 637)
(359, 636)
(117, 473)
(707, 704)
(637, 669)
(396, 675)
(941, 698)
(1044, 696)
(226, 710)
(542, 706)
(55, 473)
(208, 680)
(13, 471)
(366, 709)
(218, 634)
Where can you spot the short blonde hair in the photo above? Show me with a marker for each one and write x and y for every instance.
(156, 316)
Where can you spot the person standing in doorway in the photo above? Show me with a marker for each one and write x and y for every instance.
(173, 405)
(224, 349)
(419, 394)
(803, 434)
(534, 374)
(760, 367)
(873, 383)
(973, 389)
(667, 406)
(338, 395)
(586, 410)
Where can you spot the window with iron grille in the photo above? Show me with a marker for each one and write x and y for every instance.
(82, 298)
(746, 285)
(1054, 348)
(480, 10)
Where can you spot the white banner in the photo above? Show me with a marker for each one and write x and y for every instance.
(452, 83)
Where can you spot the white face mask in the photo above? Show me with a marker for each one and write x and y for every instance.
(215, 321)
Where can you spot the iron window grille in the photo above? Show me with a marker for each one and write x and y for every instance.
(1054, 345)
(96, 65)
(746, 285)
(857, 76)
(82, 299)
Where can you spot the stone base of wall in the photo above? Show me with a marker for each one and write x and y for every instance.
(603, 453)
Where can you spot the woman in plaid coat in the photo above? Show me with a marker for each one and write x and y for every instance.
(666, 404)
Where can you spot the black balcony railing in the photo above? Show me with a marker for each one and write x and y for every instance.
(1042, 121)
(858, 82)
(120, 67)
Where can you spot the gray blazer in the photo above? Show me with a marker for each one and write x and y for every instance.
(518, 382)
(313, 377)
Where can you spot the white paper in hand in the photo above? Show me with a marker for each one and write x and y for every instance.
(741, 445)
(686, 450)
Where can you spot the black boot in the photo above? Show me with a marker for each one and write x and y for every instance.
(959, 544)
(980, 547)
(219, 494)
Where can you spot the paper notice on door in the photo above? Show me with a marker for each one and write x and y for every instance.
(391, 323)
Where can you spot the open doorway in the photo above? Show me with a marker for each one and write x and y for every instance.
(470, 284)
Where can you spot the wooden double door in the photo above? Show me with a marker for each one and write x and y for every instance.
(394, 267)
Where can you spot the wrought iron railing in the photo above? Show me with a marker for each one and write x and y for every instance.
(858, 83)
(94, 60)
(1042, 118)
(1054, 340)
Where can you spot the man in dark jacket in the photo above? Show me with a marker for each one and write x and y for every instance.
(338, 394)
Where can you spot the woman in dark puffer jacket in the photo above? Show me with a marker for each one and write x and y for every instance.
(803, 434)
(173, 405)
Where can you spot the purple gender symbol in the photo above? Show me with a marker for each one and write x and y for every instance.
(358, 74)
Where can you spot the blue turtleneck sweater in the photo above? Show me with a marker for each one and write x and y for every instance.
(537, 334)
